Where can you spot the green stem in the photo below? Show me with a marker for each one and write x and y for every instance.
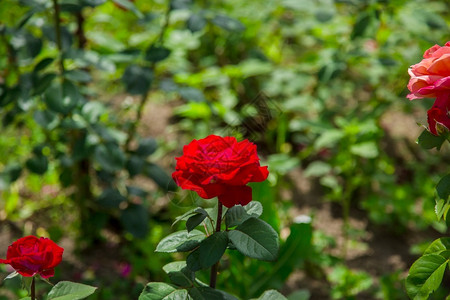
(33, 290)
(215, 267)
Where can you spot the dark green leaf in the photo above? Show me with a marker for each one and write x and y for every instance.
(180, 241)
(428, 141)
(135, 220)
(156, 53)
(209, 252)
(195, 220)
(207, 293)
(192, 94)
(110, 157)
(137, 79)
(196, 22)
(43, 82)
(44, 63)
(362, 23)
(179, 274)
(160, 291)
(146, 147)
(62, 99)
(161, 178)
(425, 276)
(135, 165)
(46, 119)
(257, 239)
(187, 214)
(236, 215)
(66, 290)
(180, 4)
(443, 187)
(111, 198)
(37, 164)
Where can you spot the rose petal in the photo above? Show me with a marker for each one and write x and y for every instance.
(236, 195)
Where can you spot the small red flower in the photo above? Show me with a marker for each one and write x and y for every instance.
(31, 255)
(220, 167)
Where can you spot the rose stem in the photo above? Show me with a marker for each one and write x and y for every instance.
(33, 290)
(215, 267)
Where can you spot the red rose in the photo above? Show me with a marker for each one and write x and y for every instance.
(432, 75)
(439, 114)
(220, 167)
(30, 256)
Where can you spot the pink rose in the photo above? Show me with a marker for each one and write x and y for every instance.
(431, 76)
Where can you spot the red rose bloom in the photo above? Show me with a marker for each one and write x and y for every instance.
(432, 75)
(30, 256)
(439, 114)
(220, 167)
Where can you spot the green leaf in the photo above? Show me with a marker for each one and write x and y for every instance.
(300, 295)
(228, 23)
(135, 220)
(146, 147)
(180, 241)
(62, 98)
(111, 198)
(137, 79)
(443, 187)
(92, 111)
(425, 276)
(46, 119)
(329, 139)
(179, 274)
(161, 178)
(135, 165)
(161, 291)
(195, 220)
(439, 245)
(272, 295)
(12, 275)
(236, 215)
(362, 23)
(254, 209)
(66, 290)
(189, 213)
(37, 164)
(207, 293)
(427, 140)
(156, 53)
(317, 169)
(110, 157)
(44, 63)
(129, 6)
(196, 22)
(78, 75)
(257, 239)
(366, 150)
(209, 252)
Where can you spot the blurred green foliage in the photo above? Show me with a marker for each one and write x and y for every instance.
(319, 86)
